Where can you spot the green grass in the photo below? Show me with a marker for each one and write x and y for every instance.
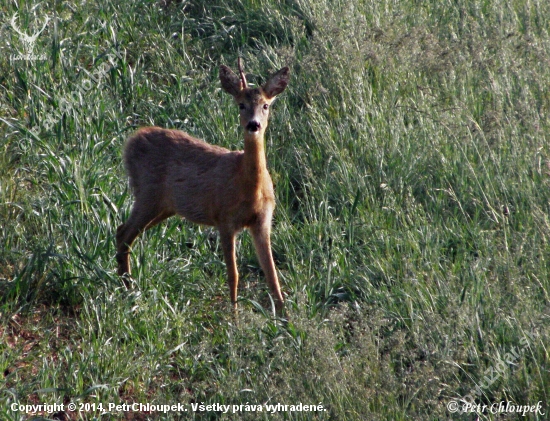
(411, 157)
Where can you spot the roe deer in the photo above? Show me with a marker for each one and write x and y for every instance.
(172, 173)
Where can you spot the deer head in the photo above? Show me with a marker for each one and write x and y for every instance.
(28, 41)
(253, 102)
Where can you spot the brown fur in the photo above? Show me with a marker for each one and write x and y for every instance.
(172, 172)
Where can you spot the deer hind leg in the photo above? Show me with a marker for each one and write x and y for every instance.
(261, 232)
(228, 246)
(144, 215)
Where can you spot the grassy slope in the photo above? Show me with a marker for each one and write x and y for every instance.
(410, 156)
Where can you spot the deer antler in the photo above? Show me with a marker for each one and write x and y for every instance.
(43, 27)
(14, 25)
(241, 72)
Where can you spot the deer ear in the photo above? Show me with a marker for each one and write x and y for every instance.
(231, 83)
(277, 83)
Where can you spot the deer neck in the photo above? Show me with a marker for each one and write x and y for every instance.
(254, 162)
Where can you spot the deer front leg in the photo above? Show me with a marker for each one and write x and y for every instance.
(261, 232)
(228, 246)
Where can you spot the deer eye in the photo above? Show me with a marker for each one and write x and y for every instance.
(266, 106)
(241, 106)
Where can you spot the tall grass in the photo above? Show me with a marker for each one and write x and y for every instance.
(411, 160)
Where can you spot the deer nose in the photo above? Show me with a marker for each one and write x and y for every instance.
(253, 126)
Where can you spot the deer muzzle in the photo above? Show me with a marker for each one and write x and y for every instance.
(253, 126)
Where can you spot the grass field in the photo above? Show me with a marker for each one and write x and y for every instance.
(411, 158)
